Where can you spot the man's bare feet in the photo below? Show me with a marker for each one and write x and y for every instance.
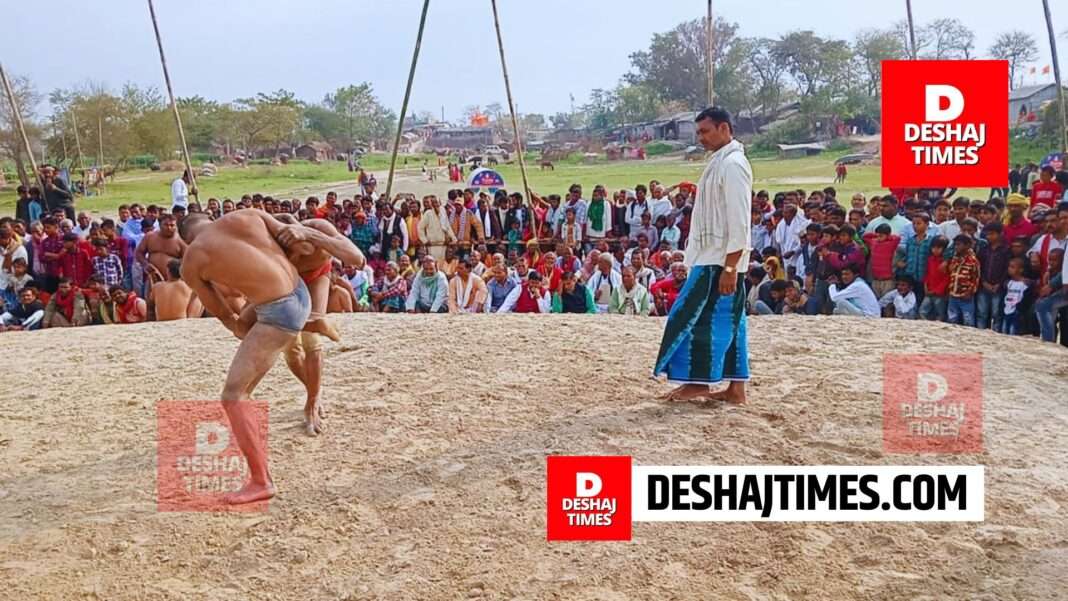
(734, 394)
(250, 493)
(324, 327)
(687, 392)
(313, 414)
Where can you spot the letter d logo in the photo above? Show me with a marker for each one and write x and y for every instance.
(931, 388)
(933, 103)
(204, 443)
(587, 484)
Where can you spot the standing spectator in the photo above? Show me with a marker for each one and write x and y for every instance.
(637, 208)
(1046, 191)
(787, 236)
(51, 252)
(963, 273)
(106, 265)
(888, 214)
(1057, 237)
(84, 226)
(180, 190)
(1053, 296)
(911, 257)
(75, 263)
(883, 246)
(363, 234)
(936, 282)
(56, 194)
(28, 207)
(1016, 224)
(645, 228)
(670, 233)
(844, 252)
(598, 217)
(1015, 289)
(994, 271)
(1014, 178)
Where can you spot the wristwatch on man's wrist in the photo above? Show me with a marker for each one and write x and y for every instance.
(729, 269)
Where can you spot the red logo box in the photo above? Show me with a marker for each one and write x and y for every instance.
(588, 497)
(198, 461)
(923, 98)
(933, 404)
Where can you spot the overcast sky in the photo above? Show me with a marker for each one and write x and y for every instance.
(555, 48)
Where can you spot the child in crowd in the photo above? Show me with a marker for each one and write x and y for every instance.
(883, 244)
(796, 301)
(902, 298)
(936, 283)
(1015, 290)
(963, 271)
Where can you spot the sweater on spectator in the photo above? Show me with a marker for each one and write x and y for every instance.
(963, 275)
(850, 256)
(994, 264)
(936, 279)
(882, 254)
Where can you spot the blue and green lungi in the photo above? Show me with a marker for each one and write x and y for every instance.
(704, 339)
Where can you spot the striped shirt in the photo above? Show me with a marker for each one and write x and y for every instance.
(109, 269)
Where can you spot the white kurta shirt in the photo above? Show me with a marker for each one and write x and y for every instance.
(720, 223)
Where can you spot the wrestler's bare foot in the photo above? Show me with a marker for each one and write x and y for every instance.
(313, 425)
(687, 392)
(734, 393)
(324, 327)
(250, 493)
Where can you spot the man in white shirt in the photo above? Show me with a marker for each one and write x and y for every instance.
(660, 205)
(853, 297)
(180, 191)
(787, 236)
(705, 340)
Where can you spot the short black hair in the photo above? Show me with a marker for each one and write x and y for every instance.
(717, 115)
(883, 228)
(940, 242)
(174, 267)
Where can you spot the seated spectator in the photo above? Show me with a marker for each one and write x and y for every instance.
(631, 298)
(499, 286)
(530, 297)
(172, 298)
(12, 283)
(772, 297)
(467, 292)
(643, 274)
(126, 307)
(390, 292)
(429, 290)
(667, 290)
(852, 296)
(27, 314)
(66, 308)
(603, 281)
(342, 298)
(573, 297)
(903, 299)
(796, 301)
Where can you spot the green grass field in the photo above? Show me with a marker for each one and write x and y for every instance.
(300, 179)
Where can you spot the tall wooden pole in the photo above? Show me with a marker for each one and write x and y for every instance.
(404, 105)
(174, 105)
(17, 116)
(100, 140)
(77, 139)
(1057, 76)
(709, 28)
(912, 29)
(62, 139)
(515, 122)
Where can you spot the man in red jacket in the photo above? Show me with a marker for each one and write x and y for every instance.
(1046, 191)
(883, 245)
(75, 263)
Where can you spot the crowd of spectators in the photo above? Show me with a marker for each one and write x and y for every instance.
(910, 254)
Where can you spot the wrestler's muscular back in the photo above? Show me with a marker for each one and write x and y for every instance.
(239, 252)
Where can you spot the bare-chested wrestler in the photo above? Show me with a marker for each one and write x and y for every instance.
(304, 356)
(172, 298)
(160, 247)
(243, 253)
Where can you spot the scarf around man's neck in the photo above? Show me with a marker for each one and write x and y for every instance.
(595, 213)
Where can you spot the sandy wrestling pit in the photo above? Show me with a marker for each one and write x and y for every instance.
(429, 480)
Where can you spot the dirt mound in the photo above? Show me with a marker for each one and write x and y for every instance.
(429, 481)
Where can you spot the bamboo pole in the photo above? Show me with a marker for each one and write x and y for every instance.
(709, 28)
(77, 139)
(17, 116)
(100, 140)
(912, 29)
(1057, 76)
(174, 106)
(515, 122)
(404, 105)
